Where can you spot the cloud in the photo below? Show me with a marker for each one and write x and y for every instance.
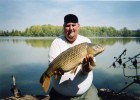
(18, 14)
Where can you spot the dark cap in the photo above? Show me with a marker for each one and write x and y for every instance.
(71, 18)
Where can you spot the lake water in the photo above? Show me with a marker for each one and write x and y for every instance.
(27, 59)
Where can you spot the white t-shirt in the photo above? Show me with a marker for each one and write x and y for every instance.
(69, 84)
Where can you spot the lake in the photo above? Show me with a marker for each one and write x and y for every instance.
(27, 59)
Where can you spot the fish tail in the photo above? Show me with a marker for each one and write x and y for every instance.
(45, 81)
(46, 84)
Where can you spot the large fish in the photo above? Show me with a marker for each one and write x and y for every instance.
(68, 60)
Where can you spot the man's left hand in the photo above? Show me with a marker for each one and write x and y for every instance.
(87, 64)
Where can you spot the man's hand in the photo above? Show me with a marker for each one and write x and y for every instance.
(87, 64)
(58, 73)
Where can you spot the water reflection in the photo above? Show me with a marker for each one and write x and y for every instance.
(45, 42)
(39, 43)
(26, 58)
(33, 41)
(27, 79)
(111, 41)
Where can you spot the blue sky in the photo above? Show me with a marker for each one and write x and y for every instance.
(21, 14)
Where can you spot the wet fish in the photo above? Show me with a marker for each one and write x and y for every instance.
(69, 60)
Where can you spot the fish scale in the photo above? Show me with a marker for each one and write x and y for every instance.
(68, 60)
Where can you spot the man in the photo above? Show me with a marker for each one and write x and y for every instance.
(69, 86)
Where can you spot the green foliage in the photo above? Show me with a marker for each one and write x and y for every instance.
(89, 31)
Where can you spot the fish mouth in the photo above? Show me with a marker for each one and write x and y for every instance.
(103, 49)
(100, 51)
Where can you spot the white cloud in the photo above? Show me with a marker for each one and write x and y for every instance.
(22, 14)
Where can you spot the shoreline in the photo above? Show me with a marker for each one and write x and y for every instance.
(104, 94)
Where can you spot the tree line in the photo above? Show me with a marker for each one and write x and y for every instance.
(90, 31)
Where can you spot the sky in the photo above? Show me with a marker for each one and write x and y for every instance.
(22, 14)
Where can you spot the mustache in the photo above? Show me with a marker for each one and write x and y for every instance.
(69, 32)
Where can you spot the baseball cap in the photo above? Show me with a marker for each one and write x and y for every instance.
(70, 18)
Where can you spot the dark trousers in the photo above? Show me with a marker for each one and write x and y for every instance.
(90, 94)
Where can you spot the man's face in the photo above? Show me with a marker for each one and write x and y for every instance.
(71, 31)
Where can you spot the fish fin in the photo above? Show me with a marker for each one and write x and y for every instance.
(74, 70)
(46, 84)
(92, 62)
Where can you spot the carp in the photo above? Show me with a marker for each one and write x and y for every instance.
(69, 59)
